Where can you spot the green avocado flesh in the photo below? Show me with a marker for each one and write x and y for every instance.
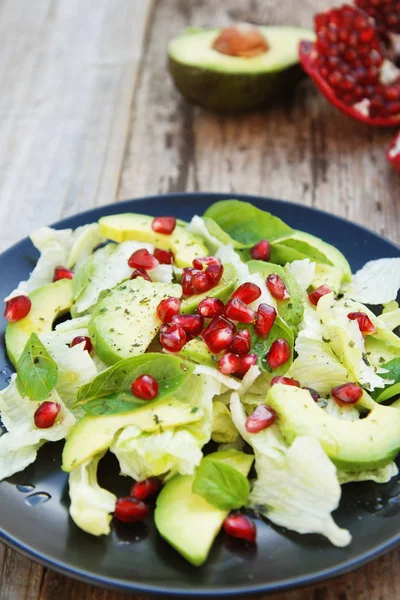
(223, 291)
(187, 521)
(367, 443)
(197, 351)
(125, 322)
(48, 302)
(220, 82)
(91, 435)
(130, 226)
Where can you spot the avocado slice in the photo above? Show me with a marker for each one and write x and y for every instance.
(48, 302)
(327, 275)
(292, 309)
(367, 443)
(131, 226)
(91, 435)
(125, 322)
(220, 82)
(187, 521)
(223, 290)
(197, 351)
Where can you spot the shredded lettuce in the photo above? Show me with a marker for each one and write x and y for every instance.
(223, 429)
(391, 316)
(303, 271)
(84, 241)
(91, 505)
(381, 475)
(377, 282)
(198, 228)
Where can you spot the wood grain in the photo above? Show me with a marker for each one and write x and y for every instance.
(68, 74)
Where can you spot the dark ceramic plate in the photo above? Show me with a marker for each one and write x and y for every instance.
(34, 504)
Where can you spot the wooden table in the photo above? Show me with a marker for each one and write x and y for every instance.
(88, 116)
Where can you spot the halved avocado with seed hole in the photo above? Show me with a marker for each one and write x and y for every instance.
(237, 68)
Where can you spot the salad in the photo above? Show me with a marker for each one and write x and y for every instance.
(233, 365)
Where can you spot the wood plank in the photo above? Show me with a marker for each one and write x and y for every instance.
(67, 75)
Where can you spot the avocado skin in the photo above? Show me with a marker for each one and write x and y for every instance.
(231, 92)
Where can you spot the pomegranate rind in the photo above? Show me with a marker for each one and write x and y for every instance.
(307, 56)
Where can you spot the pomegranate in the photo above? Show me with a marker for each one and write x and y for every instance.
(211, 307)
(206, 261)
(17, 308)
(168, 308)
(277, 287)
(261, 251)
(279, 353)
(215, 272)
(130, 510)
(393, 153)
(186, 281)
(201, 282)
(265, 319)
(314, 296)
(314, 394)
(140, 272)
(246, 362)
(218, 340)
(192, 324)
(237, 310)
(79, 339)
(164, 257)
(219, 322)
(240, 526)
(247, 292)
(347, 393)
(241, 342)
(364, 322)
(62, 273)
(173, 338)
(141, 490)
(142, 259)
(241, 40)
(351, 61)
(46, 414)
(145, 387)
(261, 418)
(285, 381)
(228, 363)
(163, 224)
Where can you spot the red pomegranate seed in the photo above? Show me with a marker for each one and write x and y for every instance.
(247, 292)
(141, 490)
(163, 224)
(347, 393)
(164, 257)
(211, 307)
(215, 272)
(241, 342)
(219, 322)
(142, 258)
(364, 322)
(239, 311)
(218, 339)
(130, 510)
(140, 272)
(192, 324)
(62, 273)
(228, 363)
(173, 338)
(205, 261)
(186, 281)
(246, 362)
(385, 13)
(285, 381)
(79, 339)
(314, 296)
(263, 417)
(261, 251)
(201, 282)
(145, 387)
(277, 287)
(46, 414)
(168, 308)
(265, 318)
(240, 526)
(17, 308)
(279, 353)
(314, 394)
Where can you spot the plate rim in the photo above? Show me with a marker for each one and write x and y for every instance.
(112, 583)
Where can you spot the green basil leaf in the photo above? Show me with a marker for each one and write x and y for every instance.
(392, 389)
(113, 405)
(170, 372)
(221, 485)
(37, 371)
(246, 223)
(81, 279)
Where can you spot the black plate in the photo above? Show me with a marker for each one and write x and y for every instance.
(135, 558)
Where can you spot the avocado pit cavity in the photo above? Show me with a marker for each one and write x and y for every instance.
(242, 40)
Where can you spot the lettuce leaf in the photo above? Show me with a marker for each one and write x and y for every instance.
(91, 505)
(303, 271)
(198, 228)
(382, 475)
(84, 241)
(223, 429)
(377, 282)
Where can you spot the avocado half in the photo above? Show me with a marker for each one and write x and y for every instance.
(219, 82)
